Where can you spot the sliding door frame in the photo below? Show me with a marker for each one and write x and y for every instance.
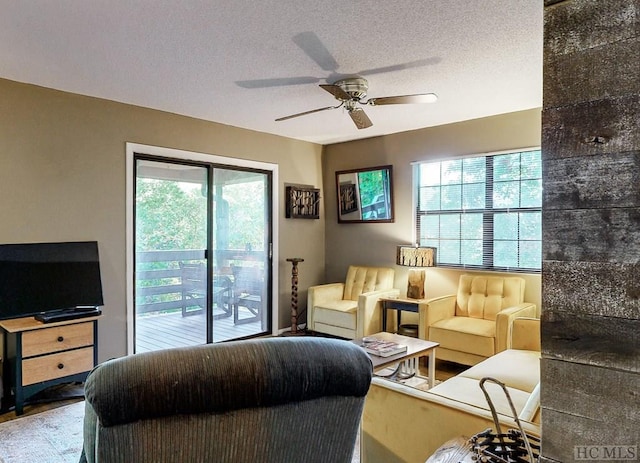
(222, 161)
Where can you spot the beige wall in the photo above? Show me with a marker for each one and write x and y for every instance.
(374, 244)
(62, 178)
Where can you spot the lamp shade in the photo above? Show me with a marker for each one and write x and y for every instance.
(416, 256)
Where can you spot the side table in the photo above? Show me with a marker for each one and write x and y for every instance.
(399, 305)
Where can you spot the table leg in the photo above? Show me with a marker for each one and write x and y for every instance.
(384, 316)
(432, 368)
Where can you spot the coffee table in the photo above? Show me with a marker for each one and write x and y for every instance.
(415, 348)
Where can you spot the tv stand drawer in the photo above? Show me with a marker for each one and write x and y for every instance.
(56, 339)
(48, 367)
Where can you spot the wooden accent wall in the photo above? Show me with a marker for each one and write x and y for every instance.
(591, 226)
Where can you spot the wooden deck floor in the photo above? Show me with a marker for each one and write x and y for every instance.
(155, 332)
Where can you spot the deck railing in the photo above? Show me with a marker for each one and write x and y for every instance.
(158, 276)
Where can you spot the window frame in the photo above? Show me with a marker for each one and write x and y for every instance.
(489, 212)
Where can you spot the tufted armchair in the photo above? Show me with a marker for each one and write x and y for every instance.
(351, 309)
(475, 323)
(295, 400)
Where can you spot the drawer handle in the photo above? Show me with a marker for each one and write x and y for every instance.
(60, 339)
(60, 366)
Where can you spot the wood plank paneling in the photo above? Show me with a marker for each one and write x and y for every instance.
(591, 288)
(586, 182)
(609, 71)
(591, 128)
(577, 25)
(565, 431)
(590, 339)
(591, 226)
(592, 235)
(614, 390)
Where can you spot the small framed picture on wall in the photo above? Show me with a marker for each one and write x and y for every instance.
(302, 202)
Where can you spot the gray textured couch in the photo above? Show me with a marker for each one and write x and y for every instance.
(269, 400)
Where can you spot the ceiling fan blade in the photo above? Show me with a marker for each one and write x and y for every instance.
(277, 82)
(404, 99)
(336, 91)
(306, 112)
(360, 118)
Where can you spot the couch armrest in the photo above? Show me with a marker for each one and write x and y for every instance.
(319, 294)
(525, 334)
(504, 322)
(369, 320)
(433, 310)
(423, 419)
(323, 293)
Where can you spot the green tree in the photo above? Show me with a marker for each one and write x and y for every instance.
(169, 217)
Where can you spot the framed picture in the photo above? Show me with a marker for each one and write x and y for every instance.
(302, 202)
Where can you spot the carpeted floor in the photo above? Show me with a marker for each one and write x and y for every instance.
(53, 436)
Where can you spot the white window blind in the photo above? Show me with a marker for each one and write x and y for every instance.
(482, 212)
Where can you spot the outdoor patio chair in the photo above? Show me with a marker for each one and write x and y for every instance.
(193, 286)
(194, 290)
(248, 291)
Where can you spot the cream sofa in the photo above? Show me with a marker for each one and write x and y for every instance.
(475, 323)
(351, 309)
(404, 424)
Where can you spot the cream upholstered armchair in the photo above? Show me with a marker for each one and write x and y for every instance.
(475, 323)
(351, 309)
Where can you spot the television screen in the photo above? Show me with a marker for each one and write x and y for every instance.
(41, 277)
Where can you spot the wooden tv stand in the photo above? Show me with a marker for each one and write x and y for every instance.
(39, 355)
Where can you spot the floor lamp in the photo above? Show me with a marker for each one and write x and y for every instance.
(416, 257)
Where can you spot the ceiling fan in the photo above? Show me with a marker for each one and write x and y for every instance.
(351, 93)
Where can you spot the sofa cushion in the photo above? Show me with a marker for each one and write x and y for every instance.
(337, 313)
(465, 334)
(467, 390)
(518, 369)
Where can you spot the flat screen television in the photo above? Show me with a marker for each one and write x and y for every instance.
(37, 278)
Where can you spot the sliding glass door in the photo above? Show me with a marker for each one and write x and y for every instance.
(202, 239)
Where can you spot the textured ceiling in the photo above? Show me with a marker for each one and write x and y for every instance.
(247, 63)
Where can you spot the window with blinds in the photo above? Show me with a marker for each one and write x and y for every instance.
(482, 212)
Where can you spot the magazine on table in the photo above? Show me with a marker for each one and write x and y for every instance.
(382, 348)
